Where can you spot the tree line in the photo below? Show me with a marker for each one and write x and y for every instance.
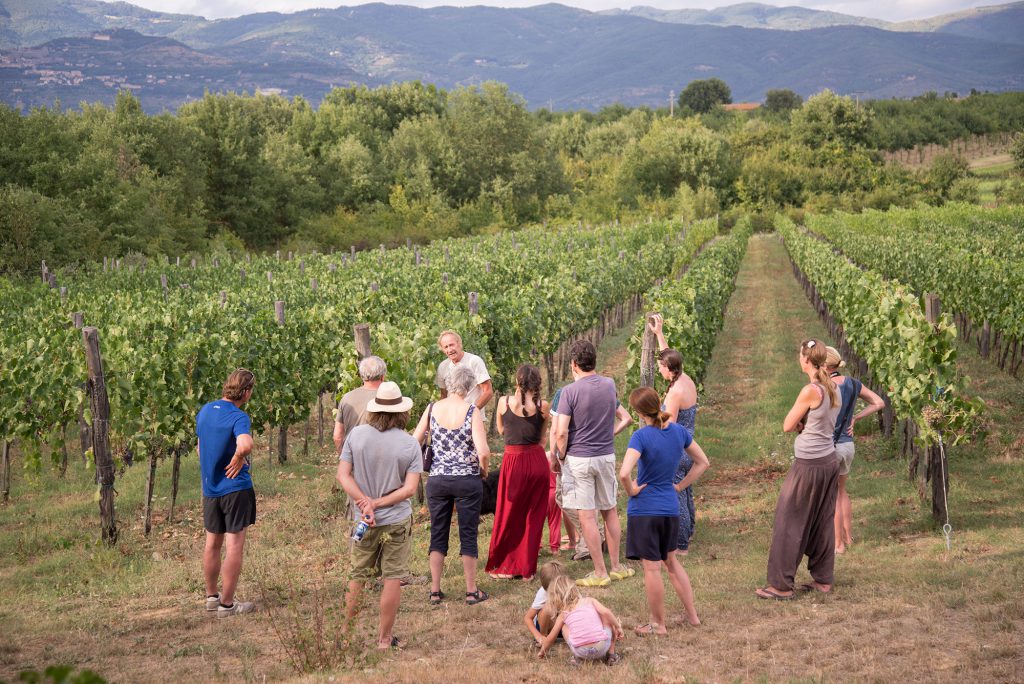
(411, 161)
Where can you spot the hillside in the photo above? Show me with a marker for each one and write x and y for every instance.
(552, 54)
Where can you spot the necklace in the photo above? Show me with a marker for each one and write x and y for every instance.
(834, 374)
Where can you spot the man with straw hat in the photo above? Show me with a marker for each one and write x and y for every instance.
(380, 469)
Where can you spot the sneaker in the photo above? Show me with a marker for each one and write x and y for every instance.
(237, 608)
(592, 580)
(622, 573)
(212, 602)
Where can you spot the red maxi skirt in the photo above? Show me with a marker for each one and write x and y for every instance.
(520, 512)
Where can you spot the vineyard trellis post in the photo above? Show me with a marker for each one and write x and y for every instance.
(5, 484)
(175, 469)
(362, 337)
(282, 430)
(100, 407)
(938, 466)
(648, 354)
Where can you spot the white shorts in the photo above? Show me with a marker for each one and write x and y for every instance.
(844, 451)
(592, 485)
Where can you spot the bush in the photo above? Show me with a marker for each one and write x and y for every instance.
(965, 190)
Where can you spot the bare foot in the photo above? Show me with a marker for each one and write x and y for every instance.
(770, 592)
(840, 548)
(816, 586)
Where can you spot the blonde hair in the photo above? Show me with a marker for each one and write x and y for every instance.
(563, 595)
(814, 352)
(446, 333)
(549, 571)
(833, 359)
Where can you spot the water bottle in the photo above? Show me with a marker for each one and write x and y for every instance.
(360, 530)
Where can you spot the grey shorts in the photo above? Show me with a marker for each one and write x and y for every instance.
(844, 451)
(592, 486)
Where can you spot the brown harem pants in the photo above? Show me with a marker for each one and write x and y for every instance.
(804, 522)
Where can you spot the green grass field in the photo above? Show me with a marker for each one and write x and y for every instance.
(903, 608)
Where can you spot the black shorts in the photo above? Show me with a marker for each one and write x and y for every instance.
(229, 513)
(651, 537)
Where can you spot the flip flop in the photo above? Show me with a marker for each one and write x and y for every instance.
(769, 593)
(646, 630)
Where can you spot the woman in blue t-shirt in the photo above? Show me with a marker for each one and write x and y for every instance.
(653, 510)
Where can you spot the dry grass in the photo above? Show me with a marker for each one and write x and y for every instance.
(904, 608)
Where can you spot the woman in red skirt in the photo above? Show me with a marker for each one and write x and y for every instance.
(523, 485)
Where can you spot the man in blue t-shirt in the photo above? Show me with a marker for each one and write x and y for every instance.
(229, 502)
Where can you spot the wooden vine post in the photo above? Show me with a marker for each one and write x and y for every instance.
(5, 483)
(362, 335)
(938, 464)
(150, 483)
(100, 406)
(648, 354)
(282, 430)
(175, 471)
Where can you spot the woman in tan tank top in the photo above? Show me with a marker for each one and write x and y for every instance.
(807, 502)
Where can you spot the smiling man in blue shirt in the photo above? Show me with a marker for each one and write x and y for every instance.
(229, 502)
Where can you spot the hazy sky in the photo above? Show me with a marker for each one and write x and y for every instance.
(891, 10)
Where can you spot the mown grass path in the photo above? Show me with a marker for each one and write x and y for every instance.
(903, 608)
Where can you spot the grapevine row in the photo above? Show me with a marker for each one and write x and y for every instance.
(167, 348)
(693, 305)
(971, 257)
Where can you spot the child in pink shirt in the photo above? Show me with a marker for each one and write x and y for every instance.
(588, 627)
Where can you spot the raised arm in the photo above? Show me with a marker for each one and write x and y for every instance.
(657, 325)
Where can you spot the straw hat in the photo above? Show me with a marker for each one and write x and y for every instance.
(389, 399)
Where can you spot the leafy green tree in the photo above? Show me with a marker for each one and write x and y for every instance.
(34, 227)
(945, 171)
(673, 152)
(770, 179)
(704, 95)
(1017, 150)
(780, 100)
(827, 118)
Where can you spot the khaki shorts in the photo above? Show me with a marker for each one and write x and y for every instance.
(383, 552)
(844, 450)
(593, 484)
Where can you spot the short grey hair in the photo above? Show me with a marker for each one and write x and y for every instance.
(461, 380)
(372, 368)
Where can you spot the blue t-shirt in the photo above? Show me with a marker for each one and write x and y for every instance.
(217, 426)
(849, 391)
(660, 453)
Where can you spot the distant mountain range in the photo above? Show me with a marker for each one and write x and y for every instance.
(557, 56)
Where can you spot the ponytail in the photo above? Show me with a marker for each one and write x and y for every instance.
(821, 375)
